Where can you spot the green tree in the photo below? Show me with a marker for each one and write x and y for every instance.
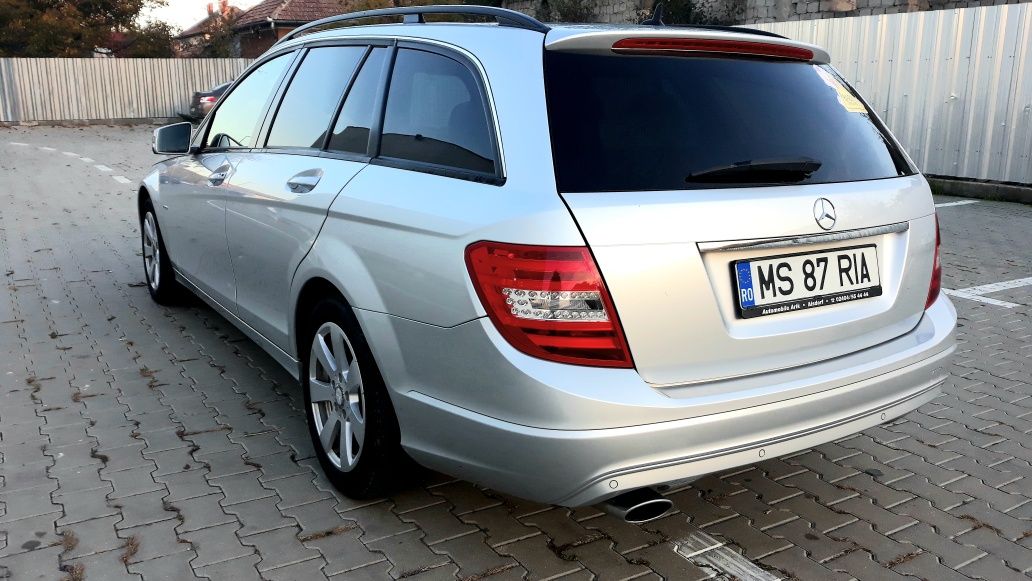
(63, 28)
(218, 34)
(151, 40)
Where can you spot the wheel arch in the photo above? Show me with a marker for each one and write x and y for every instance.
(311, 291)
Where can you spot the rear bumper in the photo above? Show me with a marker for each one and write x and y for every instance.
(576, 467)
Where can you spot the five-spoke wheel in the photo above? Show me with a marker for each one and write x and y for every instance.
(336, 395)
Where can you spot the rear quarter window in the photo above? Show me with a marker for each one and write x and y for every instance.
(436, 114)
(633, 123)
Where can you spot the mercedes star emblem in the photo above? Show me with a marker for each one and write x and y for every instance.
(824, 213)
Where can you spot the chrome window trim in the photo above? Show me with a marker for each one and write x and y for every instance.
(468, 56)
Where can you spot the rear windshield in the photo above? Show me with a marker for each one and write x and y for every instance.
(634, 123)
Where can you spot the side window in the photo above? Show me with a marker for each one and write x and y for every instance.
(435, 114)
(313, 95)
(351, 131)
(238, 117)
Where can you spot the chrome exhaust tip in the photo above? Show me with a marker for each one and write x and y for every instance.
(637, 506)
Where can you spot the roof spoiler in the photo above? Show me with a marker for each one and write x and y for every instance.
(749, 42)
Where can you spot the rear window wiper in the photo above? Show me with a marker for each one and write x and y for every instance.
(771, 170)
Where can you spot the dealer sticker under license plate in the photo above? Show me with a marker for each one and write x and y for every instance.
(793, 282)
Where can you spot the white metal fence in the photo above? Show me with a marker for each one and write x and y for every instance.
(954, 86)
(59, 89)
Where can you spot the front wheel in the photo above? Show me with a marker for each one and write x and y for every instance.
(350, 416)
(161, 281)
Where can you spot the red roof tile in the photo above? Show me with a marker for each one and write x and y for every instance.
(290, 11)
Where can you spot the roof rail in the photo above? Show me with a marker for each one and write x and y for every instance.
(415, 15)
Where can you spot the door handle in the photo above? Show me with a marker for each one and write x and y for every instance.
(220, 175)
(305, 181)
(216, 178)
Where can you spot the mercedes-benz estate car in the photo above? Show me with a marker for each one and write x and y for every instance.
(570, 263)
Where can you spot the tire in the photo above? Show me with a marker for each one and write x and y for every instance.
(157, 269)
(346, 401)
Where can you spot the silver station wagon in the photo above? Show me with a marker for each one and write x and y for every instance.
(572, 263)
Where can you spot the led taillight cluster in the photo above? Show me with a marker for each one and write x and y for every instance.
(549, 302)
(935, 285)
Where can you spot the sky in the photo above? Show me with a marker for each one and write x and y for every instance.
(185, 13)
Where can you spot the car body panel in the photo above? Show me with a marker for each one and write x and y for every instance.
(270, 229)
(553, 433)
(669, 293)
(193, 222)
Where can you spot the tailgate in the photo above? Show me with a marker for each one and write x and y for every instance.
(710, 185)
(666, 258)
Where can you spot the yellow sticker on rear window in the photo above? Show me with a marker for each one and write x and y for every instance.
(846, 98)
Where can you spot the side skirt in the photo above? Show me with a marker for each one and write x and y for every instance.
(293, 366)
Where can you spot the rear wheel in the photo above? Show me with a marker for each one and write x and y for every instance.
(161, 281)
(350, 416)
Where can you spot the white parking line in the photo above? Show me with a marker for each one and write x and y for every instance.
(975, 293)
(86, 159)
(985, 289)
(18, 143)
(122, 179)
(960, 203)
(70, 154)
(103, 167)
(709, 553)
(963, 295)
(48, 148)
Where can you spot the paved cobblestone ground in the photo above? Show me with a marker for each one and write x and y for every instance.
(140, 442)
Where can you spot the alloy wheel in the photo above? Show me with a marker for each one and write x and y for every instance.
(151, 251)
(337, 396)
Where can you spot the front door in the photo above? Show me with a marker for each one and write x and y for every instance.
(193, 199)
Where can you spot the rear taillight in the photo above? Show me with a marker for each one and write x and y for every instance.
(936, 283)
(207, 99)
(688, 46)
(549, 302)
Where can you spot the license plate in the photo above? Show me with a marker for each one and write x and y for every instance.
(807, 280)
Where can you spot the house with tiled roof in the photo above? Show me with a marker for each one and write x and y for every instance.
(198, 40)
(257, 28)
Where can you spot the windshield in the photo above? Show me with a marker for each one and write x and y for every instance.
(635, 123)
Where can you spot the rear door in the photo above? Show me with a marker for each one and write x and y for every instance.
(279, 195)
(748, 212)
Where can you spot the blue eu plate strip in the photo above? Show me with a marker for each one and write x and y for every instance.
(745, 287)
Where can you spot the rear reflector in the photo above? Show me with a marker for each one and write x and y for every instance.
(549, 302)
(684, 46)
(935, 285)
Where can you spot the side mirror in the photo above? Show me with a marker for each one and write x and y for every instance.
(172, 139)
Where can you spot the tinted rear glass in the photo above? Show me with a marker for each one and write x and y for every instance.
(435, 114)
(633, 123)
